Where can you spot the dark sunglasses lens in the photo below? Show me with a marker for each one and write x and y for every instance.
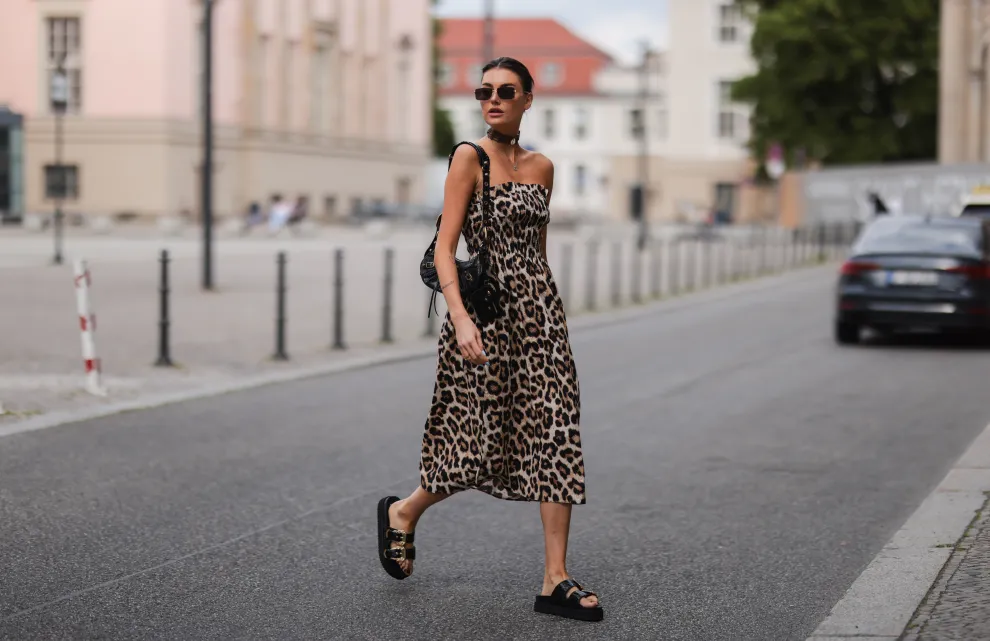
(507, 92)
(483, 93)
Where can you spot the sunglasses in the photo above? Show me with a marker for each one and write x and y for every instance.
(505, 92)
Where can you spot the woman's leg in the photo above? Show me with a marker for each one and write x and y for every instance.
(405, 513)
(556, 526)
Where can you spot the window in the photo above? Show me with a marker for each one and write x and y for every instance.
(548, 124)
(725, 202)
(445, 74)
(731, 118)
(581, 123)
(551, 74)
(319, 88)
(65, 47)
(580, 177)
(403, 190)
(262, 91)
(61, 185)
(729, 22)
(636, 123)
(474, 75)
(329, 206)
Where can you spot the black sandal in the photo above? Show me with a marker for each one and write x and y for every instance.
(389, 556)
(569, 607)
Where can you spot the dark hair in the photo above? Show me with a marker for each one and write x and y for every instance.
(516, 67)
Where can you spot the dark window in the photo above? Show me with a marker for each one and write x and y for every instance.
(892, 236)
(62, 184)
(976, 210)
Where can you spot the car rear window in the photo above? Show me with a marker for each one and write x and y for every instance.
(976, 210)
(889, 237)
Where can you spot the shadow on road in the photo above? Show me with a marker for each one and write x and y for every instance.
(948, 341)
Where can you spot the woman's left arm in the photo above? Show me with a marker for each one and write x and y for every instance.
(549, 185)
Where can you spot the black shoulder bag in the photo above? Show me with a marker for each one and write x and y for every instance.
(479, 288)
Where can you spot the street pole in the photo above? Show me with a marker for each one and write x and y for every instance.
(206, 171)
(489, 45)
(60, 101)
(644, 159)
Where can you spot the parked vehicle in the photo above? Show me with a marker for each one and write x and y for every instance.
(915, 272)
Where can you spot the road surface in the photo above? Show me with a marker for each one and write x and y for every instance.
(742, 470)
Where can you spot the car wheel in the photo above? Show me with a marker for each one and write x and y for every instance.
(846, 333)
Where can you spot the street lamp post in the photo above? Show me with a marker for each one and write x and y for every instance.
(489, 40)
(59, 96)
(644, 157)
(206, 171)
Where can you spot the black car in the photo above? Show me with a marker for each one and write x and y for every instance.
(915, 272)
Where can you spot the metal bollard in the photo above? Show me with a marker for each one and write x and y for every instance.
(692, 265)
(566, 269)
(616, 274)
(164, 324)
(706, 264)
(656, 261)
(280, 288)
(338, 300)
(675, 267)
(590, 293)
(387, 296)
(637, 277)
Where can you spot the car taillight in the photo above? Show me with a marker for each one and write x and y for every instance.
(976, 272)
(855, 267)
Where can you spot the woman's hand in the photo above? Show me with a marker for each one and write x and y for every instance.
(469, 339)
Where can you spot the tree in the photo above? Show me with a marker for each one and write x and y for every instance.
(844, 81)
(443, 127)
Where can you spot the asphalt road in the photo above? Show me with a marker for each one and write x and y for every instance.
(742, 470)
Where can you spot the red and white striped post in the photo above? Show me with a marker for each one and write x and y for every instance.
(87, 325)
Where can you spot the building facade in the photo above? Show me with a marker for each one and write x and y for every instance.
(706, 166)
(581, 113)
(964, 78)
(325, 99)
(591, 115)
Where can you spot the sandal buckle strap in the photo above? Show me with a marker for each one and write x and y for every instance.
(399, 536)
(400, 554)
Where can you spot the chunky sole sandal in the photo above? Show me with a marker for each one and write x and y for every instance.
(560, 604)
(388, 555)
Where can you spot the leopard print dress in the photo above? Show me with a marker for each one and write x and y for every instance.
(510, 428)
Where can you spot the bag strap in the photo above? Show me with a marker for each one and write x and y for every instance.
(485, 188)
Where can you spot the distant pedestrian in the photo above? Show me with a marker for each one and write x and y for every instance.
(279, 214)
(252, 217)
(505, 417)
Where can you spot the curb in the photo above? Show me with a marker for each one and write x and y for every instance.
(385, 356)
(882, 602)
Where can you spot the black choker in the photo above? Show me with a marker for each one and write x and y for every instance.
(498, 136)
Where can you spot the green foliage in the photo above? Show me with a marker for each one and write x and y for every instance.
(846, 81)
(443, 127)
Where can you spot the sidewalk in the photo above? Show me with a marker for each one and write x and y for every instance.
(230, 333)
(931, 582)
(958, 607)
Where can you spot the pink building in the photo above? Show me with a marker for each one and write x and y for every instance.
(328, 99)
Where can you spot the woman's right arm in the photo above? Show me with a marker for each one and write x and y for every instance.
(462, 180)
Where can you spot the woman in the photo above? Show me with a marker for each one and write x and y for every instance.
(506, 406)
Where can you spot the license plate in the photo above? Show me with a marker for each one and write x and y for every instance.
(912, 278)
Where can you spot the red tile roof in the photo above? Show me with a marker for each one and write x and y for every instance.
(536, 42)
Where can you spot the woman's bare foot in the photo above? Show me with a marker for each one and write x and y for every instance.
(398, 519)
(552, 581)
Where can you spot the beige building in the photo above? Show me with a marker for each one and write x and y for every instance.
(701, 165)
(327, 99)
(964, 94)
